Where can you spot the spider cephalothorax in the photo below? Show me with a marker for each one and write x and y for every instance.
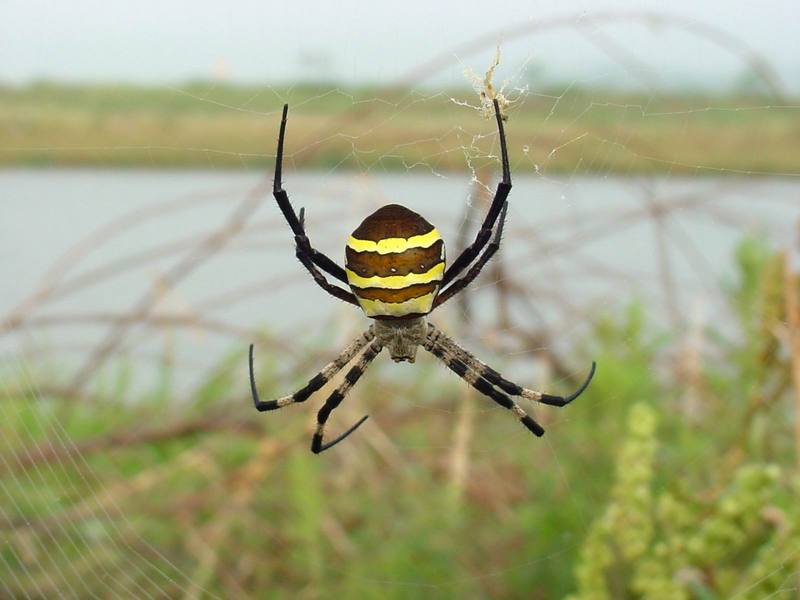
(395, 268)
(401, 337)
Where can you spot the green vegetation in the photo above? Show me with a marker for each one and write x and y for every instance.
(218, 125)
(660, 482)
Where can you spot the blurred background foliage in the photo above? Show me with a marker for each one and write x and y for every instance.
(652, 228)
(665, 480)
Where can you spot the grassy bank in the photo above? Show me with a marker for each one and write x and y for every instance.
(668, 478)
(216, 125)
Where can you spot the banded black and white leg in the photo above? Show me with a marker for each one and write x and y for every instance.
(316, 382)
(310, 257)
(484, 378)
(496, 379)
(335, 399)
(460, 368)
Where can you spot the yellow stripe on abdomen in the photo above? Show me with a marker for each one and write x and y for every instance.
(395, 245)
(395, 282)
(394, 263)
(377, 308)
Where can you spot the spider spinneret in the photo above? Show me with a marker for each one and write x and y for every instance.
(395, 268)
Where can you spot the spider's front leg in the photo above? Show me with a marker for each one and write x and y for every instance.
(334, 290)
(308, 255)
(475, 270)
(498, 202)
(303, 245)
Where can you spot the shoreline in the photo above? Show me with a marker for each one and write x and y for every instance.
(592, 132)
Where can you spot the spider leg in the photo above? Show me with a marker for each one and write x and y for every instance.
(475, 270)
(495, 378)
(485, 232)
(298, 225)
(335, 399)
(317, 257)
(333, 290)
(316, 382)
(460, 368)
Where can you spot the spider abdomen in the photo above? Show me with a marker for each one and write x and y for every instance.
(395, 263)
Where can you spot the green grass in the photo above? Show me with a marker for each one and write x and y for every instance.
(218, 125)
(632, 493)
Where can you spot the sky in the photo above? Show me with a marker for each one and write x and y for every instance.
(349, 41)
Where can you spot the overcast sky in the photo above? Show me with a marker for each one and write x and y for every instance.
(170, 41)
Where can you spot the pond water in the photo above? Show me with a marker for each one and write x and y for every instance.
(94, 243)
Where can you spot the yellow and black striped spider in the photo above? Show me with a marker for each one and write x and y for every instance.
(395, 267)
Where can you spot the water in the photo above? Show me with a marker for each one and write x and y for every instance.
(576, 245)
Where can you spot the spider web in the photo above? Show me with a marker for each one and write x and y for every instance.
(124, 334)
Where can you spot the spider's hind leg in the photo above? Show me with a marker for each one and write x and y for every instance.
(316, 382)
(559, 400)
(480, 383)
(495, 378)
(484, 378)
(335, 399)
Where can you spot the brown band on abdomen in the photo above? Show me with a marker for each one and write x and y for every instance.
(392, 221)
(396, 296)
(413, 260)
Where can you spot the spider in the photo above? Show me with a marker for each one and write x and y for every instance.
(395, 268)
